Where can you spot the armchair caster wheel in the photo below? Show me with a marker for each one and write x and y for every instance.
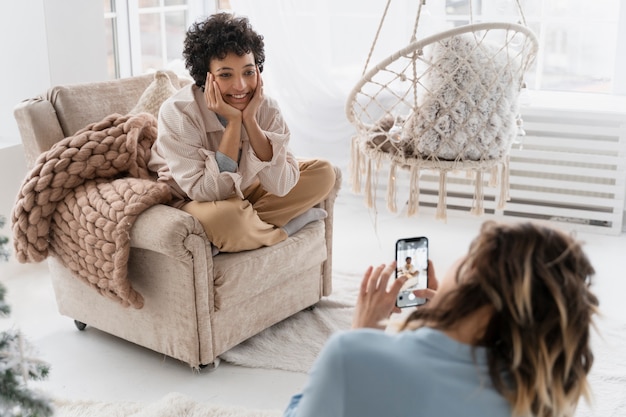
(211, 366)
(310, 308)
(80, 325)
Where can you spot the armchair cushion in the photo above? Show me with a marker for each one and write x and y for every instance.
(307, 250)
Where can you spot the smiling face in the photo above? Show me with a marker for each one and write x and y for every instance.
(236, 77)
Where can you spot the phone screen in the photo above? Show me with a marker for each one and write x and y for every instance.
(412, 261)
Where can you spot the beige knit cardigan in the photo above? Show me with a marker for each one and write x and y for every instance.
(81, 199)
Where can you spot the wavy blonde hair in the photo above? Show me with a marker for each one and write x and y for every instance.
(536, 281)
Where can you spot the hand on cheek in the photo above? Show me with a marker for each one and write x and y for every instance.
(215, 101)
(255, 102)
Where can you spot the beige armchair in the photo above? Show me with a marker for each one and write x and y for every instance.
(196, 306)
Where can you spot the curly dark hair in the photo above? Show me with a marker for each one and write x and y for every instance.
(215, 37)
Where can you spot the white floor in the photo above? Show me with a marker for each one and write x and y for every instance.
(94, 365)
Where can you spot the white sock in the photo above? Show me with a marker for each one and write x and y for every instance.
(305, 218)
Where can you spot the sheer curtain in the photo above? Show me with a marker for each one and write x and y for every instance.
(315, 54)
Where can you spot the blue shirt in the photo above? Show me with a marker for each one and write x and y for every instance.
(369, 373)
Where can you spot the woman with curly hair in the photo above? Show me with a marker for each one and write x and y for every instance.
(505, 334)
(222, 144)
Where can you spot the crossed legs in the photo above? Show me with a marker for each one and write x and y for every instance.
(264, 219)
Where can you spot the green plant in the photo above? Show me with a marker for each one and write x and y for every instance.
(4, 251)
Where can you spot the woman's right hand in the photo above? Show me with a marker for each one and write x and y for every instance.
(377, 300)
(215, 102)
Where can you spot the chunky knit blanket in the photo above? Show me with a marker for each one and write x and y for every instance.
(81, 200)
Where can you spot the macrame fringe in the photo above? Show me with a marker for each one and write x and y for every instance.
(362, 165)
(504, 185)
(441, 204)
(414, 191)
(369, 201)
(493, 176)
(355, 165)
(391, 189)
(479, 195)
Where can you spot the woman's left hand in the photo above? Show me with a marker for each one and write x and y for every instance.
(375, 302)
(249, 113)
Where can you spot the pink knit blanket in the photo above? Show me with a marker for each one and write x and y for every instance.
(82, 197)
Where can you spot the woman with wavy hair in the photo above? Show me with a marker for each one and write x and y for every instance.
(506, 333)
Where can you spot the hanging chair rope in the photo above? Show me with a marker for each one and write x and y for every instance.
(380, 26)
(417, 19)
(447, 102)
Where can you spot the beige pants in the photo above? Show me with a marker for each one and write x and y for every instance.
(234, 225)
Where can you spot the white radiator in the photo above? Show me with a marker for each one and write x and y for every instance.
(570, 168)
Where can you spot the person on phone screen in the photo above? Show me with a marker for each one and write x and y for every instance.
(412, 275)
(506, 333)
(222, 144)
(408, 268)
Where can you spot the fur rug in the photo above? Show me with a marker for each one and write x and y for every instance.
(293, 344)
(172, 405)
(608, 374)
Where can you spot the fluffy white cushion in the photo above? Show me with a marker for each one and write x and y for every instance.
(157, 92)
(470, 109)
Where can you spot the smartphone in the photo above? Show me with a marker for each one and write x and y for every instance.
(412, 261)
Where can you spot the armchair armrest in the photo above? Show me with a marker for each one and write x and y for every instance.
(328, 205)
(169, 231)
(39, 127)
(172, 232)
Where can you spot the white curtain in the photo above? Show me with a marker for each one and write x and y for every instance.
(315, 54)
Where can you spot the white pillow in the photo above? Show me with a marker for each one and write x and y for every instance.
(155, 94)
(469, 111)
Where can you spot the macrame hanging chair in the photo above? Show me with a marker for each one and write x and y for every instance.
(445, 103)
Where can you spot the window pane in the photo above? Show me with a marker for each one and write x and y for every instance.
(578, 39)
(150, 26)
(148, 3)
(175, 23)
(462, 7)
(578, 44)
(223, 5)
(576, 61)
(175, 2)
(111, 48)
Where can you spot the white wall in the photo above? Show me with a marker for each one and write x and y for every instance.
(620, 56)
(24, 71)
(45, 43)
(12, 172)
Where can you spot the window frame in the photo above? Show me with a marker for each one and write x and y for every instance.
(126, 34)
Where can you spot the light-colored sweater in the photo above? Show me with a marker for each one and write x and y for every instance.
(184, 154)
(370, 373)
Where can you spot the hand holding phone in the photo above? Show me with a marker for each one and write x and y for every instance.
(412, 262)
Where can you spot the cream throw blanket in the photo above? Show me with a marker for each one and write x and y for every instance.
(81, 199)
